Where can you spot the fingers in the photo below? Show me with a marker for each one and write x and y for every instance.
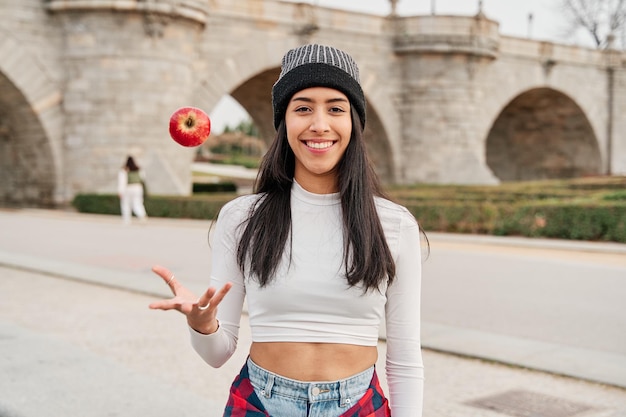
(163, 272)
(204, 302)
(203, 317)
(162, 305)
(166, 275)
(182, 304)
(212, 298)
(198, 310)
(182, 296)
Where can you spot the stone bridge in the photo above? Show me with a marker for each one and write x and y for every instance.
(84, 83)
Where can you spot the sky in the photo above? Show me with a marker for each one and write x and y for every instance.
(513, 15)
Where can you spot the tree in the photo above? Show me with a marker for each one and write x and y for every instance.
(247, 127)
(601, 19)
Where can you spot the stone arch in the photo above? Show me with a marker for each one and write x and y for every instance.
(30, 130)
(250, 79)
(379, 147)
(542, 134)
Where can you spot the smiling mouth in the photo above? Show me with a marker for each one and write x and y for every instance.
(319, 145)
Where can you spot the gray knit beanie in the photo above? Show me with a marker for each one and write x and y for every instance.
(317, 66)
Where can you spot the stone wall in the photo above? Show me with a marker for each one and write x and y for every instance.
(85, 83)
(31, 118)
(126, 72)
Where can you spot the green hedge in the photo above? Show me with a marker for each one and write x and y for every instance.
(584, 221)
(203, 207)
(217, 187)
(605, 221)
(580, 209)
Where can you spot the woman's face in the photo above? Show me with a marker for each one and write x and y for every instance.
(319, 127)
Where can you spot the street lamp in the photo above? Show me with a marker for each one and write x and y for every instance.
(394, 4)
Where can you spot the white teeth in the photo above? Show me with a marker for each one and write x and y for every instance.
(319, 145)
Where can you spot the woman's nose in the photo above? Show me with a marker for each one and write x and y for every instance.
(319, 123)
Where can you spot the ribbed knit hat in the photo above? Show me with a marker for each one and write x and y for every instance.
(317, 66)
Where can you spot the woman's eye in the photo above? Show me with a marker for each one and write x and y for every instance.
(301, 109)
(337, 110)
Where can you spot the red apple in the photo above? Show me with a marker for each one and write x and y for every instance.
(190, 126)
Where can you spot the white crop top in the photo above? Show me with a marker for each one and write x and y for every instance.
(310, 300)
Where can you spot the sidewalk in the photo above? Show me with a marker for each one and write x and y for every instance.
(96, 350)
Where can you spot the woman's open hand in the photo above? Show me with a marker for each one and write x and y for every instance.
(201, 312)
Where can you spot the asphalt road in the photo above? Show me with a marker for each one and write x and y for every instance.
(75, 288)
(569, 296)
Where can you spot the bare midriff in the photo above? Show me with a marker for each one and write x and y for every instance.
(313, 361)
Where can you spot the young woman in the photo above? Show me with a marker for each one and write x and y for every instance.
(130, 191)
(322, 258)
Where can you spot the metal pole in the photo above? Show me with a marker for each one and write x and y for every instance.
(432, 6)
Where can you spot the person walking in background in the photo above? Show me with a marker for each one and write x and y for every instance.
(130, 189)
(322, 257)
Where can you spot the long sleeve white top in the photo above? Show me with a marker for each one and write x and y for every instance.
(122, 181)
(309, 300)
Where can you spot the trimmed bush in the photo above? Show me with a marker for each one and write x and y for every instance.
(617, 195)
(97, 203)
(214, 187)
(586, 221)
(203, 207)
(581, 209)
(605, 221)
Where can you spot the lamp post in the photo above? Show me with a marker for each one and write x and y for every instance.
(394, 4)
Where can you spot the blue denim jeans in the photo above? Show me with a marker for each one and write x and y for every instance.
(284, 397)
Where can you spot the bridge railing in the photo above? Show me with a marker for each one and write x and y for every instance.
(543, 50)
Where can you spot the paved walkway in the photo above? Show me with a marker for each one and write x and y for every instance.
(77, 338)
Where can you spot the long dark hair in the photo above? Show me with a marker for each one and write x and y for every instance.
(131, 165)
(367, 257)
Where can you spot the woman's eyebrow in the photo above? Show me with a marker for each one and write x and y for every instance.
(337, 100)
(331, 100)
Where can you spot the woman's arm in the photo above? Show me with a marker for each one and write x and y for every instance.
(404, 365)
(218, 347)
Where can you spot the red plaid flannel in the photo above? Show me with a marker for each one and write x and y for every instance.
(243, 402)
